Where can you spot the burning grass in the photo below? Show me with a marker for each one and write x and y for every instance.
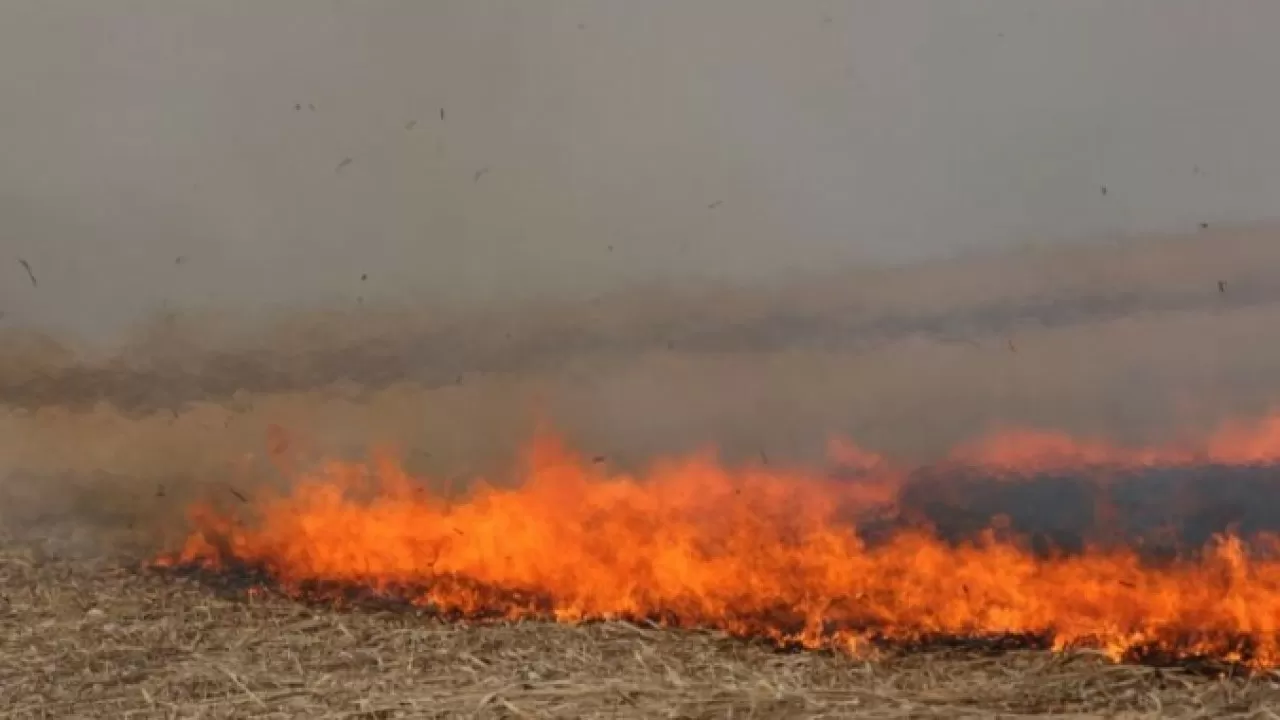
(1203, 653)
(86, 640)
(361, 591)
(758, 553)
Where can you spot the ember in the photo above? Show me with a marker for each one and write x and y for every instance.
(761, 552)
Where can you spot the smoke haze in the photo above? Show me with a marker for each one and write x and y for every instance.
(587, 145)
(661, 225)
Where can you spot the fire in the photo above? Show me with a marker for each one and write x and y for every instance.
(757, 551)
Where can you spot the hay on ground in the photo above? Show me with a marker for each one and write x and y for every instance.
(79, 639)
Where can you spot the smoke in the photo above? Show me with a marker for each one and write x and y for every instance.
(1134, 342)
(170, 158)
(428, 224)
(179, 358)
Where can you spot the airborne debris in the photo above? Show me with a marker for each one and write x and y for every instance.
(27, 266)
(715, 205)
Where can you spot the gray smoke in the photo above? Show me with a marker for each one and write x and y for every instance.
(169, 156)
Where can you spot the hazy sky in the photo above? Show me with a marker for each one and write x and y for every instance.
(587, 144)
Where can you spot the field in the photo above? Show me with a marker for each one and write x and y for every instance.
(93, 639)
(100, 461)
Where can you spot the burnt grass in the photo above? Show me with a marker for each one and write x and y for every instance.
(1163, 513)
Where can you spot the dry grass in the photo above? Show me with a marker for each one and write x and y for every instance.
(93, 640)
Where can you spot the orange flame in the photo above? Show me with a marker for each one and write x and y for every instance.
(756, 551)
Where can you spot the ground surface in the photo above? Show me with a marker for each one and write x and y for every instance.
(82, 639)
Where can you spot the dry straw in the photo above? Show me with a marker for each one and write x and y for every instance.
(84, 640)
